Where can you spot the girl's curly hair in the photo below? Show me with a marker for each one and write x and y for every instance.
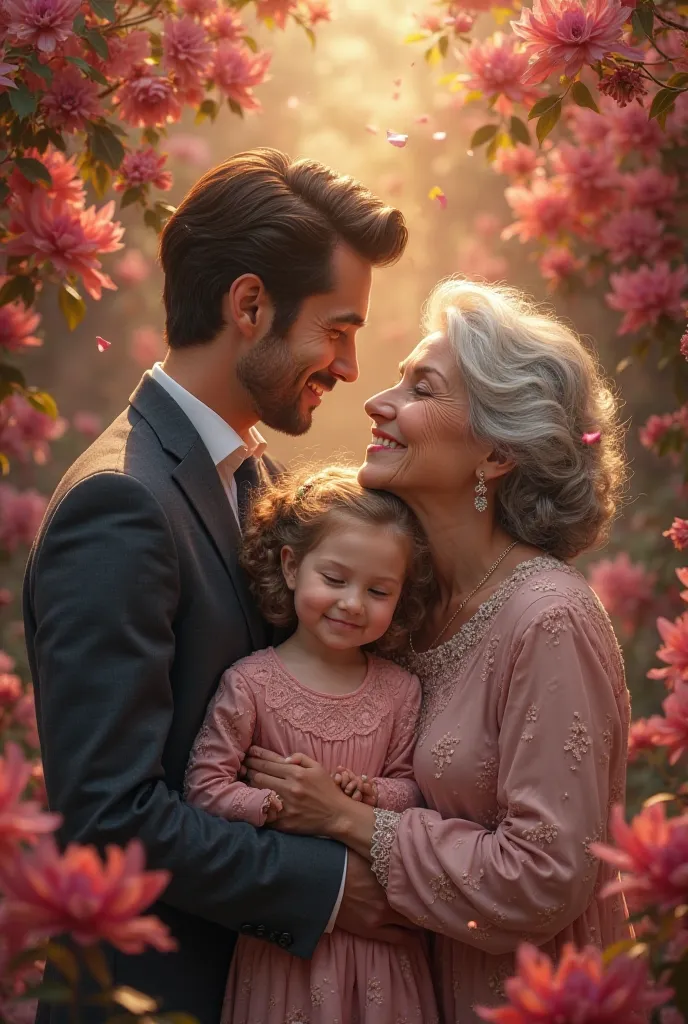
(296, 509)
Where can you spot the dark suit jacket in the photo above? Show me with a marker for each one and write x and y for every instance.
(134, 606)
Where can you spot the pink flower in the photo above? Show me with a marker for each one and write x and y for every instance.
(71, 100)
(623, 85)
(24, 715)
(10, 689)
(17, 325)
(225, 23)
(652, 854)
(674, 653)
(5, 70)
(586, 126)
(199, 8)
(589, 175)
(624, 588)
(89, 424)
(579, 989)
(21, 513)
(541, 208)
(236, 70)
(678, 532)
(48, 893)
(651, 189)
(193, 149)
(143, 167)
(631, 131)
(518, 161)
(317, 11)
(21, 821)
(25, 432)
(147, 99)
(641, 737)
(632, 234)
(42, 24)
(646, 294)
(655, 429)
(6, 662)
(146, 346)
(67, 184)
(564, 35)
(132, 267)
(186, 50)
(672, 730)
(125, 53)
(276, 10)
(497, 67)
(558, 264)
(429, 22)
(461, 22)
(683, 345)
(72, 240)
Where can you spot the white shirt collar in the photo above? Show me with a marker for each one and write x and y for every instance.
(220, 439)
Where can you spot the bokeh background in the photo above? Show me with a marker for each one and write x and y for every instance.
(335, 103)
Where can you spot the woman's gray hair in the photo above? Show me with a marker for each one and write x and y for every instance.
(533, 390)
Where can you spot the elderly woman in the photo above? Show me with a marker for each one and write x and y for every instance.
(522, 739)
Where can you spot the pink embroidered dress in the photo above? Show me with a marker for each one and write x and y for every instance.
(371, 731)
(521, 754)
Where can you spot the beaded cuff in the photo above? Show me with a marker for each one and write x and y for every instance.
(384, 834)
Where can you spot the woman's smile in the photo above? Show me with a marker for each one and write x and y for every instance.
(383, 442)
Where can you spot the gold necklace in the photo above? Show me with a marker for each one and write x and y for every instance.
(466, 599)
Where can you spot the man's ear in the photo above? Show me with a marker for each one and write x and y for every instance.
(248, 306)
(289, 566)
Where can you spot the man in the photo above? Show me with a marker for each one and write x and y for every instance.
(134, 602)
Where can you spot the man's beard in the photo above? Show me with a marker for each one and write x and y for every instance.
(275, 383)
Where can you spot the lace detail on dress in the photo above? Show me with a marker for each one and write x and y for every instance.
(330, 718)
(434, 666)
(397, 794)
(384, 834)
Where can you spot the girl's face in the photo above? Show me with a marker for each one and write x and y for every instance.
(347, 587)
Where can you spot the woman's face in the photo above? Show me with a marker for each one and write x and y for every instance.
(420, 436)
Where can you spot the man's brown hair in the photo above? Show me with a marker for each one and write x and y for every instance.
(260, 213)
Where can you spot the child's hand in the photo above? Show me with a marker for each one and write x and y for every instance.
(356, 786)
(274, 806)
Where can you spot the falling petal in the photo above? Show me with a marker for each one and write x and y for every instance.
(396, 95)
(422, 119)
(439, 136)
(591, 438)
(396, 139)
(372, 129)
(103, 345)
(438, 194)
(397, 83)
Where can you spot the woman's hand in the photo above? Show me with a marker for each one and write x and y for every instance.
(312, 802)
(356, 786)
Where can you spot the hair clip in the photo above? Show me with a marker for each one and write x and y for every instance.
(592, 438)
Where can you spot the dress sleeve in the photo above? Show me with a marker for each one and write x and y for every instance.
(225, 736)
(397, 788)
(534, 874)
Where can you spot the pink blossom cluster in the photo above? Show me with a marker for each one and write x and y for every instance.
(26, 433)
(21, 513)
(660, 428)
(625, 588)
(18, 324)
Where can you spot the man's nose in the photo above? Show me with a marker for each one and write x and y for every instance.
(345, 364)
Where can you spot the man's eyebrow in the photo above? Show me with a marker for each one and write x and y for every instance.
(348, 318)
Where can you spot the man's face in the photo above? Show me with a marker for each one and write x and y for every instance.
(286, 376)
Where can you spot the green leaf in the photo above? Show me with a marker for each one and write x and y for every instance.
(42, 70)
(547, 122)
(643, 20)
(79, 24)
(662, 103)
(4, 465)
(33, 170)
(101, 176)
(583, 97)
(23, 101)
(47, 993)
(491, 151)
(235, 107)
(96, 40)
(72, 305)
(311, 37)
(519, 131)
(416, 37)
(151, 219)
(94, 959)
(45, 403)
(11, 379)
(165, 208)
(91, 72)
(19, 287)
(543, 105)
(151, 136)
(105, 145)
(617, 949)
(131, 195)
(63, 958)
(482, 135)
(208, 108)
(57, 140)
(133, 1001)
(678, 81)
(433, 55)
(104, 9)
(623, 364)
(443, 44)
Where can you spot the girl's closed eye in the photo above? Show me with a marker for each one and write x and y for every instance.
(332, 580)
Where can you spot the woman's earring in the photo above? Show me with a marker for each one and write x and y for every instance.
(480, 501)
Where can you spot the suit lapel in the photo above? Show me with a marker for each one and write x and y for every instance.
(199, 479)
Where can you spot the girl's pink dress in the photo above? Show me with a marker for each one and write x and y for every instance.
(370, 731)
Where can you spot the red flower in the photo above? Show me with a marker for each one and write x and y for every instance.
(674, 653)
(672, 730)
(641, 737)
(48, 893)
(678, 532)
(21, 821)
(652, 854)
(623, 587)
(579, 990)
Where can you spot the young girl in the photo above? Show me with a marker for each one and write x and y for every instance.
(348, 568)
